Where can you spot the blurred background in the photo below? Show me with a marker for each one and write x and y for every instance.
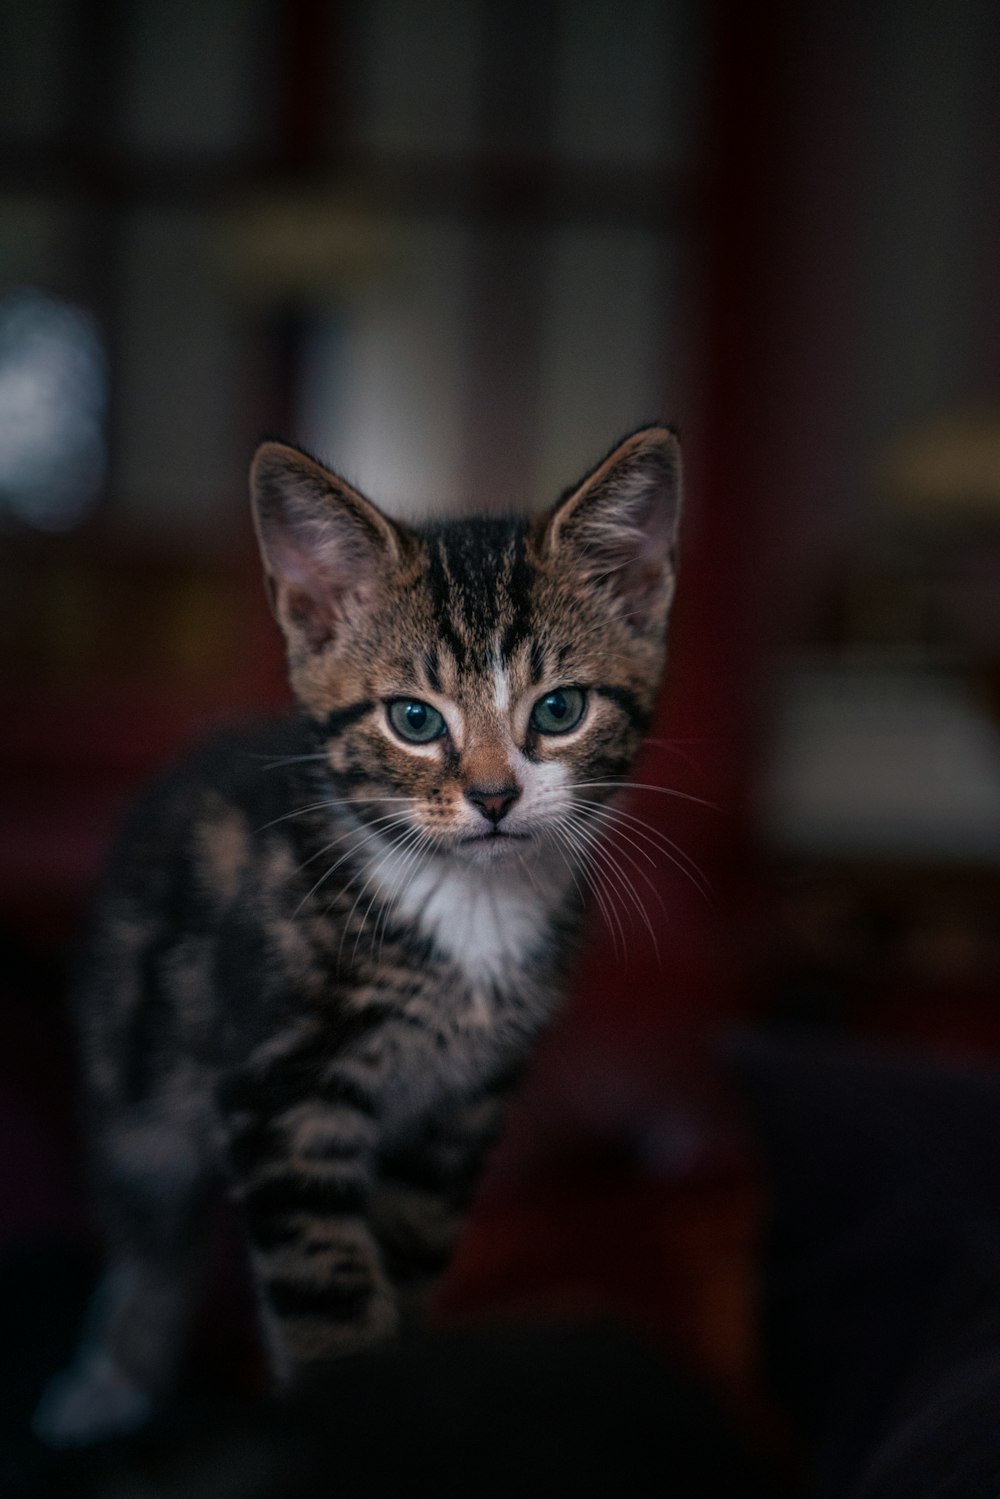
(457, 248)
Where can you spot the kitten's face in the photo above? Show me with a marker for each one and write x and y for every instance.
(472, 680)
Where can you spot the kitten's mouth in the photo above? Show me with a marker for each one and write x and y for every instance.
(495, 835)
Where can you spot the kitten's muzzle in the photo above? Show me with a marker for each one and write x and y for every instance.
(493, 801)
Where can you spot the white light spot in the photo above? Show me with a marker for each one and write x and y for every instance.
(53, 395)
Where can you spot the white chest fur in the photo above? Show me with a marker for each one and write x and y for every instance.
(489, 920)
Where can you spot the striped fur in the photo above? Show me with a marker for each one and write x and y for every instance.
(323, 952)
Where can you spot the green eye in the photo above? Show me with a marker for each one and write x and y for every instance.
(415, 721)
(558, 712)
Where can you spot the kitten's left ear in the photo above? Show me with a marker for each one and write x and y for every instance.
(619, 527)
(323, 545)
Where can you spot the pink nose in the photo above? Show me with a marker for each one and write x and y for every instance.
(493, 801)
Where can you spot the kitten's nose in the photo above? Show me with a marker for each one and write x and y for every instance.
(493, 801)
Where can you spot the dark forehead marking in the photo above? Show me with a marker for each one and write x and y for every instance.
(341, 719)
(627, 701)
(441, 587)
(520, 624)
(479, 579)
(432, 668)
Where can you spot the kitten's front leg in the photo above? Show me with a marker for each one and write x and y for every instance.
(420, 1202)
(303, 1174)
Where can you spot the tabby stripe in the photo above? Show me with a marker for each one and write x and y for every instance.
(350, 1025)
(282, 1196)
(519, 596)
(256, 1144)
(252, 1143)
(407, 1260)
(442, 589)
(277, 1233)
(341, 719)
(449, 1183)
(351, 776)
(271, 1077)
(627, 701)
(296, 1078)
(330, 1302)
(333, 1151)
(347, 1090)
(617, 765)
(266, 1093)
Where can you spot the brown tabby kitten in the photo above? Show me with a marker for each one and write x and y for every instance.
(324, 949)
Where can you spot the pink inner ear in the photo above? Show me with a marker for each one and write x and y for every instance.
(311, 571)
(629, 521)
(655, 522)
(628, 507)
(321, 541)
(622, 530)
(314, 618)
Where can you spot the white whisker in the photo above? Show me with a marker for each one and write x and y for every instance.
(409, 868)
(275, 762)
(392, 818)
(622, 881)
(327, 802)
(570, 836)
(371, 831)
(395, 843)
(645, 786)
(657, 839)
(616, 832)
(629, 887)
(404, 876)
(674, 747)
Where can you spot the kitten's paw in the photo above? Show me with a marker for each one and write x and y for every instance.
(90, 1404)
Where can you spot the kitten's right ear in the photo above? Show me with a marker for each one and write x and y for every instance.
(618, 528)
(322, 543)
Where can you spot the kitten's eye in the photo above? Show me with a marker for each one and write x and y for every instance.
(415, 721)
(558, 712)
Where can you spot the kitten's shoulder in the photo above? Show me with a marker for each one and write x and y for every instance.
(253, 764)
(240, 778)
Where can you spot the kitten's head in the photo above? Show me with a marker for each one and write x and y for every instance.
(474, 679)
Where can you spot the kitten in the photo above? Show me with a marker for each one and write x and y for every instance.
(324, 948)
